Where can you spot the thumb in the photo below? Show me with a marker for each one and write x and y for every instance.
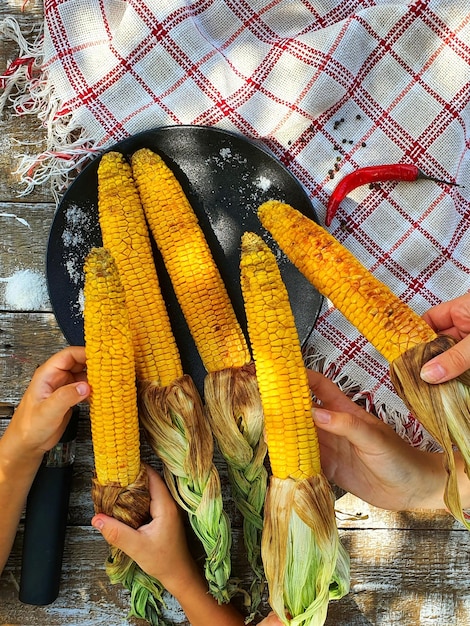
(449, 364)
(63, 398)
(117, 534)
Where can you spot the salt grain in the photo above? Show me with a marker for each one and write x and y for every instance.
(263, 183)
(26, 291)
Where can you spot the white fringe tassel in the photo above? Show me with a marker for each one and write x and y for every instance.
(27, 91)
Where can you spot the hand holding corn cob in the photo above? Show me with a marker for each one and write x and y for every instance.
(398, 333)
(120, 485)
(450, 318)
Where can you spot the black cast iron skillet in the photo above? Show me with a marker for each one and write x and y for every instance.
(226, 177)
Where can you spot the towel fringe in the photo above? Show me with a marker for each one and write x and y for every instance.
(28, 91)
(404, 424)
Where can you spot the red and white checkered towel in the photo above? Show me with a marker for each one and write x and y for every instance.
(286, 72)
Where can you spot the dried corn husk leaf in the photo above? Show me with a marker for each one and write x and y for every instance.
(179, 434)
(443, 409)
(305, 562)
(236, 416)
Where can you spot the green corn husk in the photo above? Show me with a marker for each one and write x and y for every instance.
(443, 410)
(131, 505)
(179, 434)
(305, 562)
(236, 416)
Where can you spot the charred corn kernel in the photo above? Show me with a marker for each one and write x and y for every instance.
(280, 370)
(384, 320)
(111, 373)
(125, 235)
(195, 277)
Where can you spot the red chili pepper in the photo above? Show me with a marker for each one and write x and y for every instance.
(373, 174)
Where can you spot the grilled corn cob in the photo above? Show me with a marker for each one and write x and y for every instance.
(125, 235)
(170, 406)
(120, 485)
(195, 277)
(230, 387)
(305, 564)
(236, 417)
(384, 320)
(180, 435)
(401, 336)
(111, 373)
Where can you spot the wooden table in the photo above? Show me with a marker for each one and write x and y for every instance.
(406, 568)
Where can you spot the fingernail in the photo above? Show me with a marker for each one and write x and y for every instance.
(321, 416)
(97, 523)
(432, 372)
(82, 389)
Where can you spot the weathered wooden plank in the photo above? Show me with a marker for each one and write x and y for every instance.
(398, 578)
(27, 13)
(86, 597)
(23, 244)
(26, 341)
(354, 513)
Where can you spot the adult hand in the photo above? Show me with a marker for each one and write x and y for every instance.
(365, 456)
(449, 318)
(43, 413)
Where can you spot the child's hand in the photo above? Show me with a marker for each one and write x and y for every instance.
(36, 426)
(271, 620)
(159, 547)
(449, 318)
(44, 411)
(366, 457)
(161, 550)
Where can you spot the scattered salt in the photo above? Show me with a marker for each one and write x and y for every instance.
(263, 183)
(75, 215)
(226, 157)
(77, 238)
(26, 290)
(225, 153)
(71, 238)
(80, 301)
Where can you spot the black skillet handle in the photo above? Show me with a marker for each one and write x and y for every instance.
(46, 521)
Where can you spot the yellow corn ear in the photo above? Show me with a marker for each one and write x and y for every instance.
(196, 279)
(280, 370)
(390, 325)
(125, 234)
(111, 373)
